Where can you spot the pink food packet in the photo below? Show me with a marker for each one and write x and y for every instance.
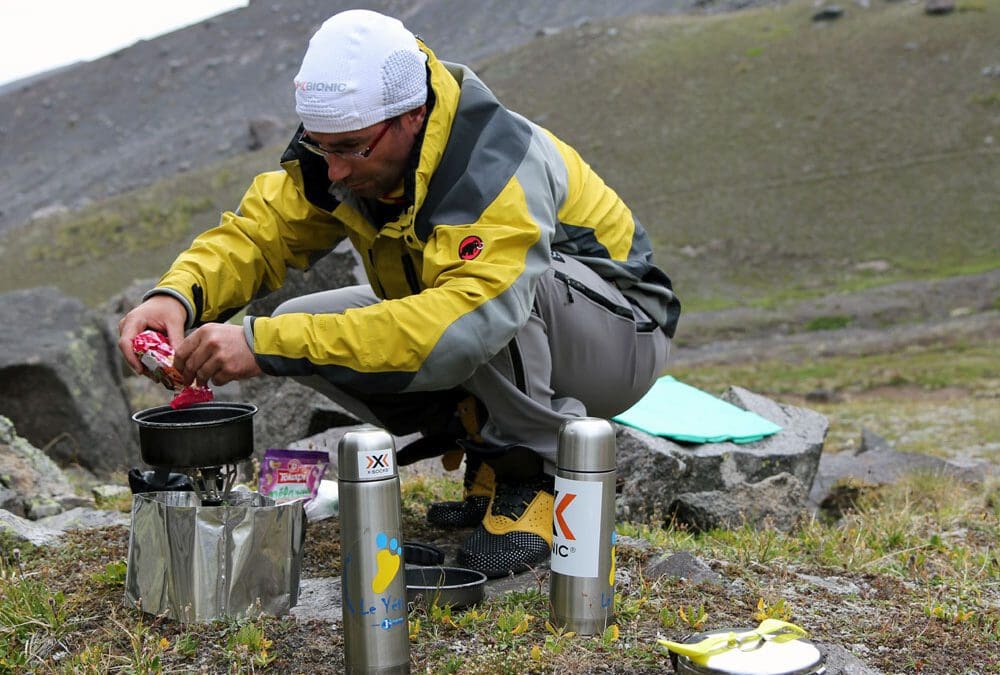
(288, 475)
(156, 354)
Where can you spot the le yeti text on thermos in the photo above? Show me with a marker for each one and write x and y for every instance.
(581, 586)
(376, 636)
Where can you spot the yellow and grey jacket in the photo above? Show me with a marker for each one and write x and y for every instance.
(494, 197)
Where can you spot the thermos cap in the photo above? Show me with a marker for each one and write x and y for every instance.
(586, 444)
(366, 454)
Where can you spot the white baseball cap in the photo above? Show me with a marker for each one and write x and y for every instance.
(361, 68)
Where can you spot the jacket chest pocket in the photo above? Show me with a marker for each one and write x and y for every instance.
(395, 266)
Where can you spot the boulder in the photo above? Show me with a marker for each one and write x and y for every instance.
(656, 472)
(778, 502)
(85, 518)
(288, 412)
(20, 529)
(60, 382)
(876, 462)
(49, 531)
(31, 485)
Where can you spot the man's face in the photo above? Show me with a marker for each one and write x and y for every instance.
(369, 161)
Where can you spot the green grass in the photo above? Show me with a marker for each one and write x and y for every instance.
(780, 151)
(99, 250)
(28, 608)
(920, 554)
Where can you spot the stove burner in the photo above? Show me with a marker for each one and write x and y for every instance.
(212, 484)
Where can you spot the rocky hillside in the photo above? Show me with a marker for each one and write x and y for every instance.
(166, 105)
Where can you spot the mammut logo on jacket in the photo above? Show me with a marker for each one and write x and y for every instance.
(470, 248)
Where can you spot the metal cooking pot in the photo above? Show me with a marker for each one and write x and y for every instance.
(455, 586)
(201, 435)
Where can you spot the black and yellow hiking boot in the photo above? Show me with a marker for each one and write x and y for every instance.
(478, 488)
(516, 532)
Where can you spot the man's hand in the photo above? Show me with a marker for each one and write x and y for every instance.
(216, 353)
(162, 313)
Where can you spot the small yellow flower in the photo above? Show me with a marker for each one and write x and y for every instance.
(536, 653)
(164, 643)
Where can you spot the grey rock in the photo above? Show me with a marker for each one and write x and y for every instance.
(22, 529)
(106, 493)
(828, 13)
(59, 383)
(778, 501)
(123, 302)
(634, 544)
(41, 507)
(656, 471)
(839, 661)
(262, 131)
(824, 396)
(31, 484)
(289, 412)
(83, 518)
(681, 565)
(48, 531)
(833, 585)
(872, 441)
(876, 463)
(939, 7)
(7, 496)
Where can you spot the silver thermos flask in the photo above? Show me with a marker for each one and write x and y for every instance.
(376, 635)
(581, 586)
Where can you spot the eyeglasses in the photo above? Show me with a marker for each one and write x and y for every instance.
(316, 149)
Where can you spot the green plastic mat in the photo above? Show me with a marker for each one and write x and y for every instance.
(683, 413)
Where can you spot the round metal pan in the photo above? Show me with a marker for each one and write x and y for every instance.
(200, 435)
(455, 586)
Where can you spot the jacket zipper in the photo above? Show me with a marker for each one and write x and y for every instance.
(411, 273)
(374, 274)
(626, 312)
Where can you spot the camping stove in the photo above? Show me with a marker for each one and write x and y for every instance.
(212, 483)
(214, 553)
(206, 441)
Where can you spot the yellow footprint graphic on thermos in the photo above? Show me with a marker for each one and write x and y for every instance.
(387, 562)
(614, 540)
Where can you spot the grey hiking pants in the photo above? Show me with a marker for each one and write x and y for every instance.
(586, 350)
